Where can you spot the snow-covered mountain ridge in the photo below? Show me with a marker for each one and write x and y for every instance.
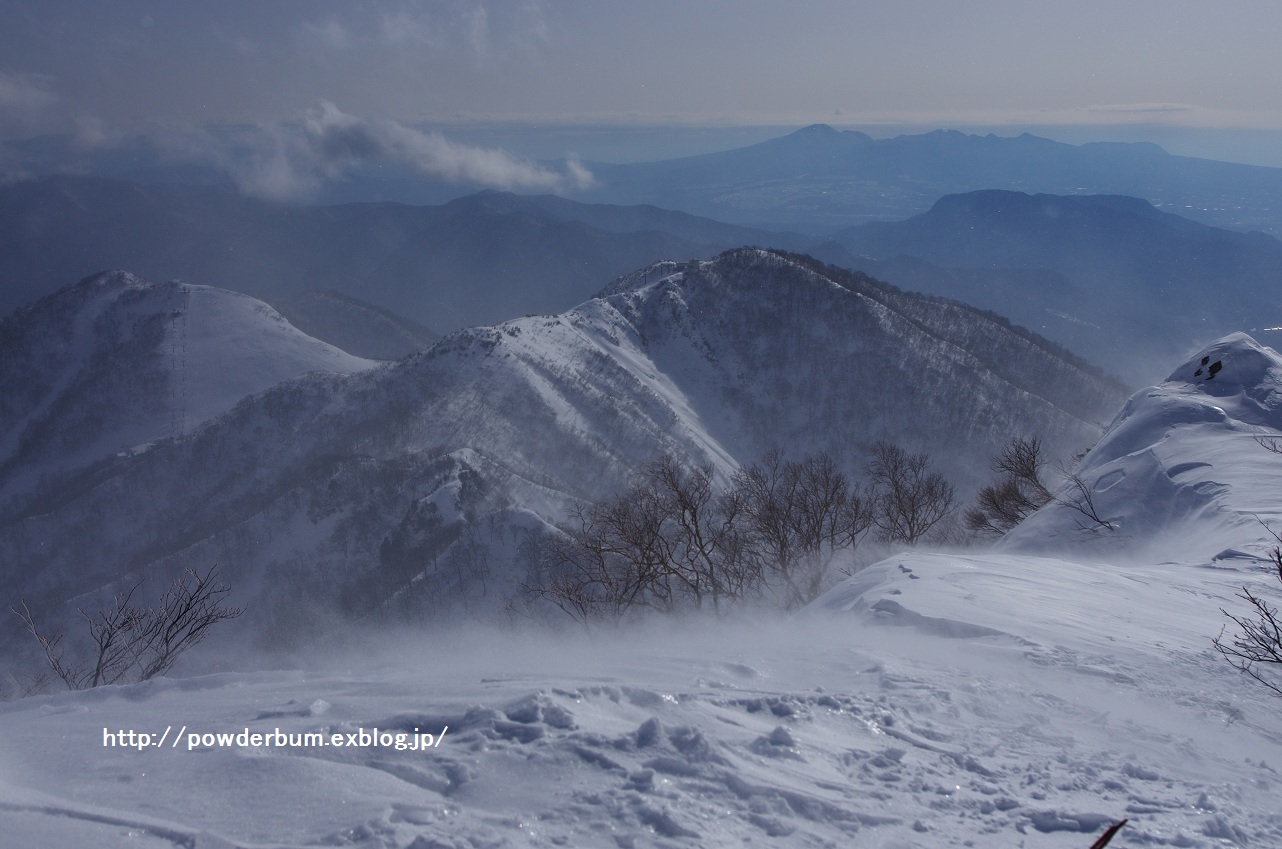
(420, 479)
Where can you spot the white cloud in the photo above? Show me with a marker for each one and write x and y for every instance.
(329, 34)
(23, 92)
(1126, 108)
(292, 162)
(335, 141)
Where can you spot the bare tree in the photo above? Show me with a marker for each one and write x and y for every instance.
(666, 541)
(131, 643)
(798, 517)
(1016, 494)
(911, 499)
(700, 532)
(671, 540)
(189, 608)
(604, 563)
(1257, 646)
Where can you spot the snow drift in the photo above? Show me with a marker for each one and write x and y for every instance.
(1183, 473)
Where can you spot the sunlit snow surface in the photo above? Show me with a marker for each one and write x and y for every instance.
(999, 699)
(1005, 700)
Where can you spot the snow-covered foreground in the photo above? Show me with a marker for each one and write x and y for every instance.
(935, 700)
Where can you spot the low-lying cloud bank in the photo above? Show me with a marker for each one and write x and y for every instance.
(294, 161)
(332, 142)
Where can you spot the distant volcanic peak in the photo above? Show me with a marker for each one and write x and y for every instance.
(817, 131)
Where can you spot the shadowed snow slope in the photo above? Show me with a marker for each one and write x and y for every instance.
(1182, 473)
(114, 363)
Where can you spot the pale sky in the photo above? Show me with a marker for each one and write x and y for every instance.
(111, 66)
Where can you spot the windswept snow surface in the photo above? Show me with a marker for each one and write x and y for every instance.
(932, 701)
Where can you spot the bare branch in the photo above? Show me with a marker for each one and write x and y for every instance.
(1258, 644)
(133, 643)
(1082, 500)
(1269, 443)
(1016, 494)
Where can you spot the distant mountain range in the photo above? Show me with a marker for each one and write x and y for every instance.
(1125, 284)
(1128, 286)
(419, 480)
(815, 180)
(476, 260)
(819, 179)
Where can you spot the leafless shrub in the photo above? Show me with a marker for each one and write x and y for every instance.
(11, 688)
(1257, 646)
(667, 540)
(131, 643)
(798, 517)
(1269, 443)
(1016, 494)
(671, 540)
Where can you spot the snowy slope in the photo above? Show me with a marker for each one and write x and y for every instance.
(115, 362)
(1181, 473)
(939, 701)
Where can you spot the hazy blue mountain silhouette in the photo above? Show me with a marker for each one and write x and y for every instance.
(1115, 279)
(475, 260)
(819, 178)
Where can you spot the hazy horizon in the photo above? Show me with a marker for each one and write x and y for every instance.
(468, 90)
